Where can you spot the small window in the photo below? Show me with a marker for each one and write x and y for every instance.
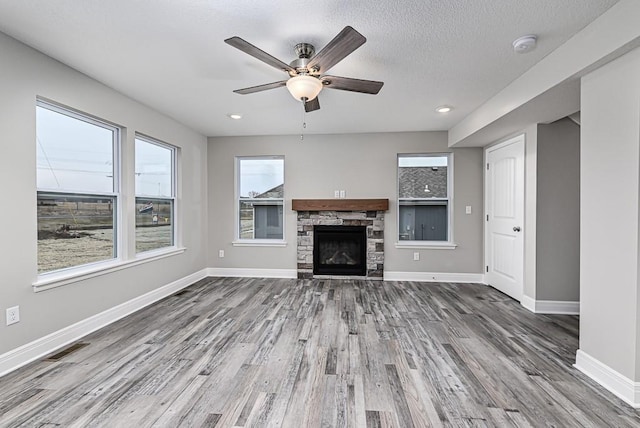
(260, 190)
(155, 194)
(424, 201)
(77, 188)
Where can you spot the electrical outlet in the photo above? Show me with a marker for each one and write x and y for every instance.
(343, 194)
(13, 315)
(467, 209)
(416, 256)
(336, 193)
(221, 254)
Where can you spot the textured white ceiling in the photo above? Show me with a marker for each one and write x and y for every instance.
(170, 54)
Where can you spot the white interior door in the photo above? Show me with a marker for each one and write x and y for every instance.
(504, 244)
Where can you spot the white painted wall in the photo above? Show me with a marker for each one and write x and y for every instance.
(25, 74)
(610, 172)
(365, 166)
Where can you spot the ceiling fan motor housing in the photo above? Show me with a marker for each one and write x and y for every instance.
(305, 52)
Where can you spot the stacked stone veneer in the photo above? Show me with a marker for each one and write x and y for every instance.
(373, 220)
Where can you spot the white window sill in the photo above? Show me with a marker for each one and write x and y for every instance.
(69, 276)
(427, 245)
(259, 243)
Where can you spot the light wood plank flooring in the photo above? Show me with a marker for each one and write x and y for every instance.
(237, 352)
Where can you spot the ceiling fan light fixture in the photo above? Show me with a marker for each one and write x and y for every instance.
(303, 86)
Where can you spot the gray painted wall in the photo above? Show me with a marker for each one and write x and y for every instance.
(365, 166)
(609, 251)
(25, 74)
(558, 212)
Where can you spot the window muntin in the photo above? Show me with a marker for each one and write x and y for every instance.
(77, 181)
(260, 189)
(424, 198)
(155, 194)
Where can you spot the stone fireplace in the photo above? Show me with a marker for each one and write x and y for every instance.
(337, 218)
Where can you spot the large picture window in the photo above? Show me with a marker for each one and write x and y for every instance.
(424, 197)
(77, 196)
(155, 194)
(260, 190)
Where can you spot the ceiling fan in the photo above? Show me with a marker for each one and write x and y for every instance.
(306, 73)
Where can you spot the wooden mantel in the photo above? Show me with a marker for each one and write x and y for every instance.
(340, 204)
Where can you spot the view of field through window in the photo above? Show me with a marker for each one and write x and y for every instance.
(76, 202)
(154, 195)
(78, 198)
(74, 230)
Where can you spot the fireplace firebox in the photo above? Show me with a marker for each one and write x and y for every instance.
(339, 250)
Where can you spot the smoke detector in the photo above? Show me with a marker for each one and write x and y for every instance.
(525, 44)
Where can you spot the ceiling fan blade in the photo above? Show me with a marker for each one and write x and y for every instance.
(258, 53)
(347, 41)
(353, 85)
(312, 105)
(260, 88)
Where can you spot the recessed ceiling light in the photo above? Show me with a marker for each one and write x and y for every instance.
(235, 116)
(525, 44)
(444, 109)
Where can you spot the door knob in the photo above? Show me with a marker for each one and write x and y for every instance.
(516, 229)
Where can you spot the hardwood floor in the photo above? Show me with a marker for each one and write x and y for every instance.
(261, 352)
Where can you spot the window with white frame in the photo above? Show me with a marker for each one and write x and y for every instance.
(424, 197)
(77, 188)
(260, 198)
(155, 194)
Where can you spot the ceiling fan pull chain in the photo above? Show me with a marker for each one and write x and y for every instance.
(304, 124)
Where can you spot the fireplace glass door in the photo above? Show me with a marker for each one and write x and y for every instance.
(340, 250)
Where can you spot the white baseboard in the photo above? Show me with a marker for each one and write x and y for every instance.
(528, 303)
(434, 277)
(253, 273)
(556, 307)
(621, 386)
(29, 352)
(388, 276)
